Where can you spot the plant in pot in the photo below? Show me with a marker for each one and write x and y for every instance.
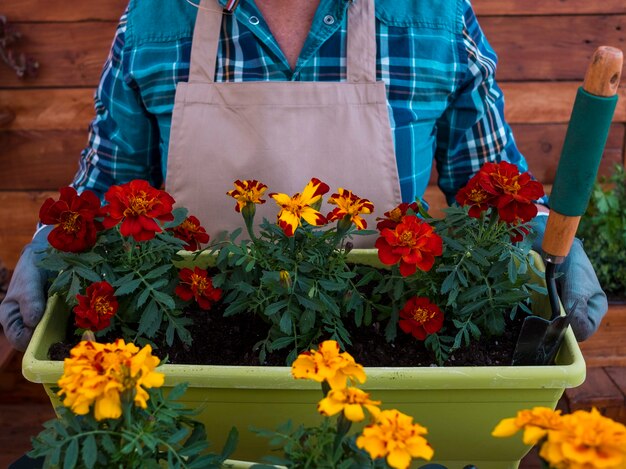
(115, 414)
(298, 282)
(389, 439)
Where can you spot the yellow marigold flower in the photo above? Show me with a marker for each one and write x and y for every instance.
(349, 207)
(349, 400)
(535, 422)
(587, 440)
(99, 374)
(299, 207)
(328, 364)
(247, 192)
(396, 437)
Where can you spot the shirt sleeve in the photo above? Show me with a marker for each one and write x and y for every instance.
(123, 136)
(473, 130)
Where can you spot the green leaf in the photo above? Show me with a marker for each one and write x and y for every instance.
(307, 320)
(274, 308)
(178, 436)
(71, 455)
(150, 320)
(166, 300)
(180, 213)
(281, 342)
(285, 323)
(89, 451)
(87, 274)
(448, 283)
(231, 443)
(107, 444)
(128, 287)
(331, 286)
(158, 272)
(143, 297)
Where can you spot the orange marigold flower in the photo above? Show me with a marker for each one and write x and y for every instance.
(395, 437)
(420, 317)
(73, 215)
(349, 207)
(413, 243)
(197, 284)
(393, 217)
(191, 232)
(587, 440)
(299, 207)
(328, 364)
(138, 206)
(350, 401)
(95, 309)
(248, 191)
(535, 423)
(100, 374)
(515, 192)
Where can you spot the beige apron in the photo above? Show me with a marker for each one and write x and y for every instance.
(281, 133)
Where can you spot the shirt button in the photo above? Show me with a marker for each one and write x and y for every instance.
(329, 19)
(253, 20)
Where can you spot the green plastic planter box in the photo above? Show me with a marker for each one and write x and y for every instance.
(460, 406)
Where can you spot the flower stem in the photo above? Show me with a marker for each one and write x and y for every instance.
(343, 426)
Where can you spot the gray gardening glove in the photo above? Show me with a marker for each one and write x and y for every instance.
(25, 301)
(578, 282)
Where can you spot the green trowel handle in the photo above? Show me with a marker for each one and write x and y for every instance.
(582, 150)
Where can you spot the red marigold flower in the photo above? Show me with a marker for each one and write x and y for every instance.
(476, 197)
(515, 192)
(73, 216)
(247, 192)
(413, 242)
(95, 309)
(196, 284)
(393, 217)
(350, 206)
(420, 317)
(191, 232)
(137, 205)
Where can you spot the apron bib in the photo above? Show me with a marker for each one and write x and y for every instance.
(281, 133)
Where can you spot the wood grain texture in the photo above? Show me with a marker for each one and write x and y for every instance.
(607, 346)
(69, 54)
(550, 47)
(541, 144)
(547, 7)
(39, 159)
(22, 209)
(62, 10)
(598, 391)
(548, 102)
(49, 109)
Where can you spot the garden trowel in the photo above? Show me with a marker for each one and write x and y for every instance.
(540, 338)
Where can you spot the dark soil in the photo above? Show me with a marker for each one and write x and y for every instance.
(230, 341)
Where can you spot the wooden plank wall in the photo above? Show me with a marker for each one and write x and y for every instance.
(544, 48)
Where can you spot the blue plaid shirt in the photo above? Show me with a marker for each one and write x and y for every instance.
(444, 103)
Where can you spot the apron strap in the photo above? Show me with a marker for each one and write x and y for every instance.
(206, 36)
(361, 42)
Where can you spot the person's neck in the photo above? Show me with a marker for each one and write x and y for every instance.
(290, 23)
